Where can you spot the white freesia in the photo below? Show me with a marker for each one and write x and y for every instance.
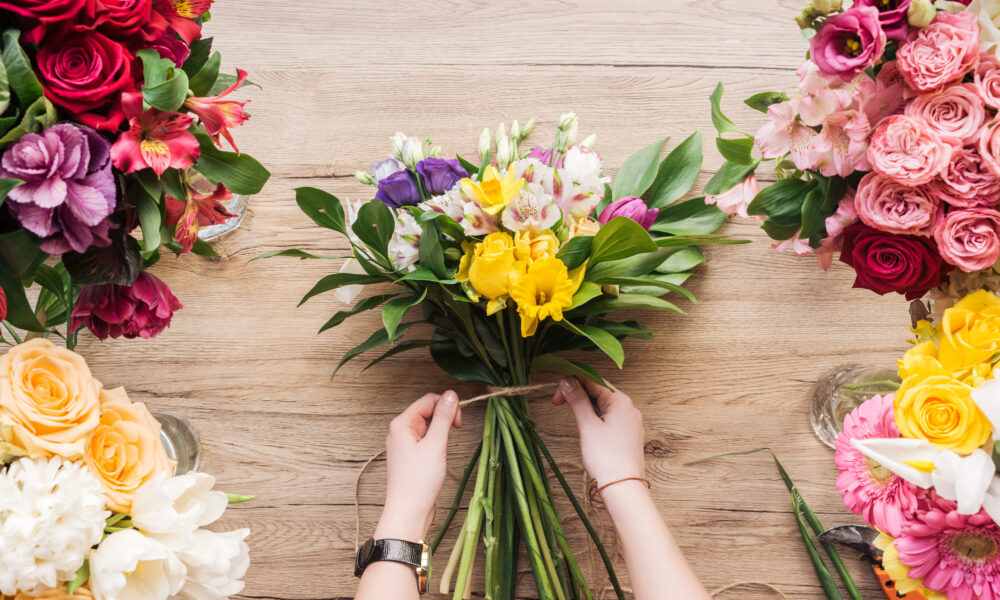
(988, 12)
(532, 209)
(130, 566)
(216, 564)
(404, 246)
(172, 509)
(51, 513)
(347, 293)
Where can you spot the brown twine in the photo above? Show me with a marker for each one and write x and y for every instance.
(742, 583)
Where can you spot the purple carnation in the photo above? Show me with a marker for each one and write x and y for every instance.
(68, 190)
(440, 175)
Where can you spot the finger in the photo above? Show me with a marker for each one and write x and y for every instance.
(558, 399)
(444, 417)
(607, 400)
(413, 421)
(579, 401)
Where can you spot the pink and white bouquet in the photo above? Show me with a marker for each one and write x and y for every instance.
(888, 153)
(89, 505)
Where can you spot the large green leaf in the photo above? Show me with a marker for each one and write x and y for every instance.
(20, 76)
(151, 221)
(678, 172)
(394, 311)
(728, 176)
(40, 115)
(200, 52)
(362, 305)
(296, 253)
(374, 226)
(336, 280)
(430, 253)
(764, 100)
(6, 185)
(620, 238)
(738, 150)
(649, 282)
(576, 369)
(683, 260)
(20, 253)
(403, 346)
(691, 217)
(638, 172)
(379, 338)
(606, 342)
(721, 122)
(781, 198)
(201, 82)
(626, 302)
(4, 89)
(576, 251)
(323, 208)
(19, 311)
(165, 86)
(587, 292)
(464, 368)
(240, 173)
(632, 266)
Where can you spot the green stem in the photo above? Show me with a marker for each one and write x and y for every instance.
(503, 339)
(489, 503)
(458, 498)
(13, 333)
(885, 383)
(536, 523)
(474, 518)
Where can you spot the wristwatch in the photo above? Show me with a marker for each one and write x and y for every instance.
(416, 555)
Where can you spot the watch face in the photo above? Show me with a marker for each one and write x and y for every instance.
(365, 554)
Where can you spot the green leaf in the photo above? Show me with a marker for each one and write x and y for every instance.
(678, 172)
(783, 197)
(684, 259)
(638, 172)
(238, 498)
(226, 81)
(648, 282)
(620, 238)
(630, 267)
(576, 369)
(40, 115)
(394, 311)
(6, 185)
(240, 173)
(576, 251)
(200, 51)
(739, 151)
(81, 577)
(469, 167)
(602, 339)
(813, 219)
(4, 89)
(719, 119)
(728, 176)
(430, 253)
(374, 226)
(691, 217)
(419, 274)
(403, 346)
(336, 280)
(151, 220)
(120, 263)
(201, 82)
(626, 302)
(50, 279)
(764, 100)
(448, 225)
(19, 311)
(379, 338)
(20, 76)
(587, 292)
(363, 305)
(165, 85)
(20, 253)
(295, 253)
(323, 208)
(467, 369)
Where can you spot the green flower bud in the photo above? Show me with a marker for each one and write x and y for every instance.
(365, 177)
(827, 6)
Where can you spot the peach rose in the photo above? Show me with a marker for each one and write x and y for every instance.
(125, 451)
(956, 112)
(966, 182)
(888, 206)
(969, 238)
(906, 150)
(59, 593)
(940, 53)
(989, 146)
(48, 400)
(987, 80)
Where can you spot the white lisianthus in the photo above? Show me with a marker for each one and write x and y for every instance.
(51, 514)
(404, 246)
(130, 566)
(216, 564)
(988, 12)
(347, 293)
(172, 509)
(530, 210)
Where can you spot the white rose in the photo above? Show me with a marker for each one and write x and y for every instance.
(216, 564)
(989, 23)
(130, 566)
(171, 509)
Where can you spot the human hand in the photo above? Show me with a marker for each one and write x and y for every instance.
(612, 437)
(416, 455)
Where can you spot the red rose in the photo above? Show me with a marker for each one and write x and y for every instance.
(86, 74)
(46, 11)
(122, 18)
(3, 305)
(885, 262)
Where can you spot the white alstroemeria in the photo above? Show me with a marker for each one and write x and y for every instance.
(988, 12)
(533, 170)
(451, 203)
(404, 246)
(172, 509)
(130, 566)
(347, 293)
(532, 209)
(216, 564)
(476, 222)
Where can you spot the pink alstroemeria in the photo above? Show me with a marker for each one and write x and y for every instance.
(196, 211)
(842, 146)
(155, 139)
(784, 133)
(218, 115)
(737, 199)
(836, 223)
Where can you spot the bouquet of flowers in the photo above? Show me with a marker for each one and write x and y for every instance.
(89, 505)
(920, 465)
(888, 152)
(112, 116)
(512, 260)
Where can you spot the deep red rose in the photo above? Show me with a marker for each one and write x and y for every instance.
(886, 262)
(123, 18)
(85, 74)
(46, 11)
(3, 305)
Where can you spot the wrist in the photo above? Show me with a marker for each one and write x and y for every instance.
(625, 493)
(401, 524)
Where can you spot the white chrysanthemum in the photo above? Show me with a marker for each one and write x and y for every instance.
(51, 514)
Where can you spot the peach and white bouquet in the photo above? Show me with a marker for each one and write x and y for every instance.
(89, 503)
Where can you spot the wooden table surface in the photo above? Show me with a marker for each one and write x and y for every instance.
(337, 78)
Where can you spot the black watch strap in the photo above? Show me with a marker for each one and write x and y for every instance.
(408, 553)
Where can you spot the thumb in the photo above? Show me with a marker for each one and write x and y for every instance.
(445, 415)
(578, 400)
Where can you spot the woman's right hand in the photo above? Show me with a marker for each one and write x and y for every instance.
(612, 437)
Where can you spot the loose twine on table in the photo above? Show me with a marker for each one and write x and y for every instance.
(593, 504)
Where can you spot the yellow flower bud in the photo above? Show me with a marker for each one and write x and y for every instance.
(921, 13)
(827, 6)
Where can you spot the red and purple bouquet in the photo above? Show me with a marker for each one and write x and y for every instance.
(112, 120)
(889, 151)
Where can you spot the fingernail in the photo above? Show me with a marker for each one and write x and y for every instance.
(567, 385)
(450, 398)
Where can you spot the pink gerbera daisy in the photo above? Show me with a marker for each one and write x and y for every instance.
(880, 496)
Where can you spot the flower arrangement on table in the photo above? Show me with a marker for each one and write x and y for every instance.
(112, 116)
(527, 254)
(920, 465)
(888, 152)
(89, 505)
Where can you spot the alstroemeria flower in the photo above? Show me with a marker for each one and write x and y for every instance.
(155, 139)
(180, 16)
(196, 211)
(495, 191)
(218, 115)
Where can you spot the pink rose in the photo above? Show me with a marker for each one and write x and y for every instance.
(955, 112)
(989, 147)
(889, 93)
(940, 53)
(987, 80)
(893, 208)
(969, 238)
(849, 42)
(908, 151)
(966, 182)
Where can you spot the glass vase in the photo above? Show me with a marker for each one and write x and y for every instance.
(237, 206)
(180, 440)
(840, 391)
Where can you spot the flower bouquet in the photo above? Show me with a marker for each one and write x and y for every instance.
(511, 261)
(920, 465)
(89, 505)
(111, 120)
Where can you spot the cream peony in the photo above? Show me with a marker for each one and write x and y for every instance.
(988, 13)
(130, 566)
(171, 509)
(51, 514)
(216, 564)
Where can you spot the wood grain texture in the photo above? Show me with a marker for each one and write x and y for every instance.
(336, 79)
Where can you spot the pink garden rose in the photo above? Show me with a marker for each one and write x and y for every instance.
(940, 53)
(849, 42)
(966, 182)
(908, 151)
(969, 238)
(894, 208)
(989, 146)
(987, 80)
(955, 112)
(888, 95)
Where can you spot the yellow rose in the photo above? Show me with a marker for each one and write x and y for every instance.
(920, 359)
(48, 400)
(970, 333)
(491, 266)
(939, 409)
(529, 246)
(59, 593)
(125, 451)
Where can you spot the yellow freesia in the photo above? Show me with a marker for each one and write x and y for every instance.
(530, 246)
(970, 334)
(544, 291)
(490, 267)
(940, 409)
(494, 192)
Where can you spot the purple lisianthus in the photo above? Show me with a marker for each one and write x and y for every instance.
(68, 190)
(849, 43)
(892, 16)
(630, 207)
(440, 175)
(398, 189)
(384, 168)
